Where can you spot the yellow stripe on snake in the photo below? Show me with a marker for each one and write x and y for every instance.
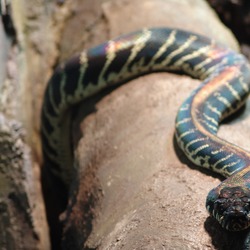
(225, 86)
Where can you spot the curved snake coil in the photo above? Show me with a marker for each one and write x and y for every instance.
(225, 87)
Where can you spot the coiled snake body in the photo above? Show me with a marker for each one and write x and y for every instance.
(225, 87)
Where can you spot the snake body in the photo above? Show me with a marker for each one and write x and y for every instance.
(225, 87)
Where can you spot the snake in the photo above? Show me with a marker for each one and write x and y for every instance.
(224, 88)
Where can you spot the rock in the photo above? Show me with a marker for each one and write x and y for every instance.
(22, 215)
(5, 44)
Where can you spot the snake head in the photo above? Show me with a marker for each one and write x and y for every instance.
(230, 206)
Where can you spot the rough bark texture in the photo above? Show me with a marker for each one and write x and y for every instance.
(22, 216)
(135, 189)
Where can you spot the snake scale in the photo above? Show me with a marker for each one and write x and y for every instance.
(225, 86)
